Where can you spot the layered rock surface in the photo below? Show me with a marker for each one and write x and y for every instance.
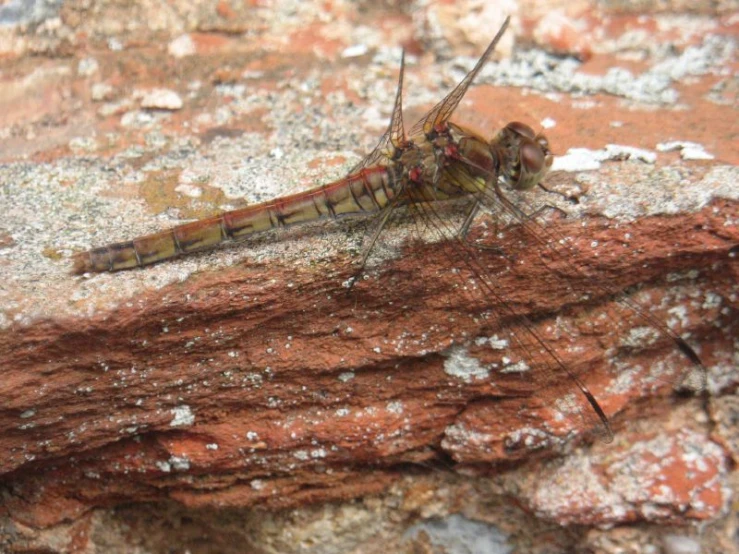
(417, 403)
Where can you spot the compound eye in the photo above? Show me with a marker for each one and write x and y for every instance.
(521, 129)
(532, 157)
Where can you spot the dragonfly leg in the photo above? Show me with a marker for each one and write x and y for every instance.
(465, 229)
(544, 208)
(573, 197)
(385, 217)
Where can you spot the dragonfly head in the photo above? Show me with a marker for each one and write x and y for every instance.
(525, 158)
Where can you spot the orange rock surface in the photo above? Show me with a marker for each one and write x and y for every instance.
(252, 378)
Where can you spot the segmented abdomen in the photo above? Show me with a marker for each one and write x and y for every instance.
(366, 191)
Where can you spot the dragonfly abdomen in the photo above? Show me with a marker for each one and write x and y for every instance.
(366, 191)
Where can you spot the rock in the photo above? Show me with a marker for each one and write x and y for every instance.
(88, 67)
(175, 406)
(182, 46)
(101, 91)
(161, 99)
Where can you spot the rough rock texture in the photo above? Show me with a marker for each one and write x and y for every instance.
(246, 400)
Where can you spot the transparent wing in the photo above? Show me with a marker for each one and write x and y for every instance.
(440, 114)
(389, 148)
(393, 139)
(574, 286)
(557, 249)
(529, 364)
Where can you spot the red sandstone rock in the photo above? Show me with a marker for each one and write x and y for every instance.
(250, 377)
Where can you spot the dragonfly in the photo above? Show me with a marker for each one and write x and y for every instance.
(436, 161)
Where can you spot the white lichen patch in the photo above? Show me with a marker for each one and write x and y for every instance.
(566, 405)
(395, 407)
(678, 317)
(670, 190)
(161, 99)
(461, 365)
(640, 337)
(627, 377)
(688, 150)
(318, 453)
(354, 51)
(538, 70)
(548, 123)
(346, 376)
(530, 437)
(87, 67)
(257, 484)
(179, 463)
(458, 534)
(494, 342)
(712, 301)
(585, 159)
(182, 46)
(516, 367)
(459, 434)
(182, 416)
(681, 544)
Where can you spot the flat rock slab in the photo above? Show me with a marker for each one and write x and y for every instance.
(252, 376)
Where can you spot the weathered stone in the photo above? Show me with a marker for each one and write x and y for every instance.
(186, 394)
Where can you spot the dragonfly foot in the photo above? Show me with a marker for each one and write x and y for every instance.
(545, 207)
(485, 247)
(570, 196)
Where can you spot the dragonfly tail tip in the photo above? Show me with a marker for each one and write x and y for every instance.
(81, 263)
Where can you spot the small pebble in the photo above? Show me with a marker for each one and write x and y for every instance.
(354, 51)
(680, 544)
(688, 150)
(182, 46)
(87, 67)
(101, 91)
(161, 99)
